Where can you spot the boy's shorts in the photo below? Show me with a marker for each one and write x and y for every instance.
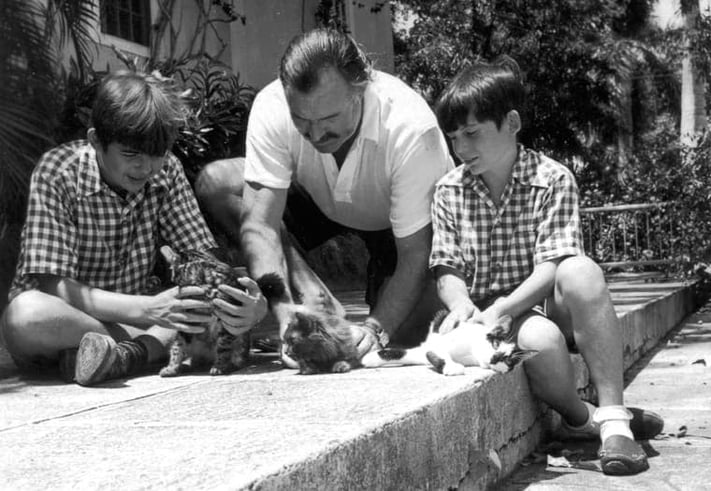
(311, 228)
(540, 309)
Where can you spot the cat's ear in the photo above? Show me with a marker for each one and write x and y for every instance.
(505, 321)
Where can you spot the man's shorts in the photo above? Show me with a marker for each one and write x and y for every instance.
(311, 228)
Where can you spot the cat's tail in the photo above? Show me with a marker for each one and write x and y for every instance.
(273, 288)
(436, 361)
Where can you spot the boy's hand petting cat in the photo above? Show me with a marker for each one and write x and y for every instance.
(489, 316)
(244, 310)
(459, 313)
(183, 309)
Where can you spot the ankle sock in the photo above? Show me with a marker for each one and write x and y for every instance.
(613, 420)
(132, 356)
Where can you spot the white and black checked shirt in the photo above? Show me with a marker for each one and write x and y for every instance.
(497, 248)
(77, 227)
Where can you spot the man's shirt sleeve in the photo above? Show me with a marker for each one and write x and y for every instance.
(421, 165)
(267, 154)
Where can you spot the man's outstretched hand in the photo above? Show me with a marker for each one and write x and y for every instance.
(368, 336)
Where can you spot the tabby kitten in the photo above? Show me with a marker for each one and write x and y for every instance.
(468, 344)
(217, 346)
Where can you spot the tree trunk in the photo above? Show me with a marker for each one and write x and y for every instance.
(693, 84)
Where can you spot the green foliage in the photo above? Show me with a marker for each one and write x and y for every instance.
(662, 170)
(574, 60)
(219, 105)
(218, 108)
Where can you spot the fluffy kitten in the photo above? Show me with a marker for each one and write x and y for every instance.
(468, 344)
(318, 342)
(216, 346)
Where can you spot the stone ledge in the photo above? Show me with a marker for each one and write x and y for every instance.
(265, 428)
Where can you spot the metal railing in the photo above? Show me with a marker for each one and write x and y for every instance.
(637, 236)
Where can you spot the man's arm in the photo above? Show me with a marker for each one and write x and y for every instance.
(260, 236)
(405, 287)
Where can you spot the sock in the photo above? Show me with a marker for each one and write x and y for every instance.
(613, 420)
(132, 357)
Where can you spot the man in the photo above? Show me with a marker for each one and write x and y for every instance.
(98, 210)
(339, 147)
(507, 241)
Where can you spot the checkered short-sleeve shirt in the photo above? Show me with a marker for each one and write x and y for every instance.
(77, 227)
(497, 248)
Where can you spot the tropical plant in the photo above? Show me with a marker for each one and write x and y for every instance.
(32, 34)
(578, 57)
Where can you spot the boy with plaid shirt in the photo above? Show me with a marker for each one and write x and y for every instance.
(507, 241)
(97, 211)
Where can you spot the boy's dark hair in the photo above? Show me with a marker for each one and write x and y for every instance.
(141, 111)
(312, 51)
(489, 91)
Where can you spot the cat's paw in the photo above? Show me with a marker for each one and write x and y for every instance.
(307, 370)
(453, 368)
(341, 366)
(170, 371)
(220, 370)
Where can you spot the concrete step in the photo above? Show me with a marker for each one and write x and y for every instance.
(267, 428)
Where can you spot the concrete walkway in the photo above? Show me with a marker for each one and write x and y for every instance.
(673, 380)
(267, 428)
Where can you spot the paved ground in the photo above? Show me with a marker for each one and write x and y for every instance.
(675, 381)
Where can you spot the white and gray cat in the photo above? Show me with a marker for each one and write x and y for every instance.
(468, 344)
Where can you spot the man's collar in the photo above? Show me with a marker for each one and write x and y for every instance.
(370, 124)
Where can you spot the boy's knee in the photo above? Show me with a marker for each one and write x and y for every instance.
(218, 178)
(580, 276)
(540, 334)
(20, 318)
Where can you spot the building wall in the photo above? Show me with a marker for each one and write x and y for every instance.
(184, 19)
(271, 24)
(254, 48)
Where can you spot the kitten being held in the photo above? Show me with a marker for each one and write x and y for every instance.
(468, 344)
(215, 346)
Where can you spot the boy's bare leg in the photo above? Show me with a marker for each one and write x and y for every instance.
(550, 372)
(36, 324)
(582, 307)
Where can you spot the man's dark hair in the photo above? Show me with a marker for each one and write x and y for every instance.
(489, 91)
(141, 111)
(312, 51)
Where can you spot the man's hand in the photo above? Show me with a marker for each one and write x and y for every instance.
(368, 336)
(183, 309)
(249, 307)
